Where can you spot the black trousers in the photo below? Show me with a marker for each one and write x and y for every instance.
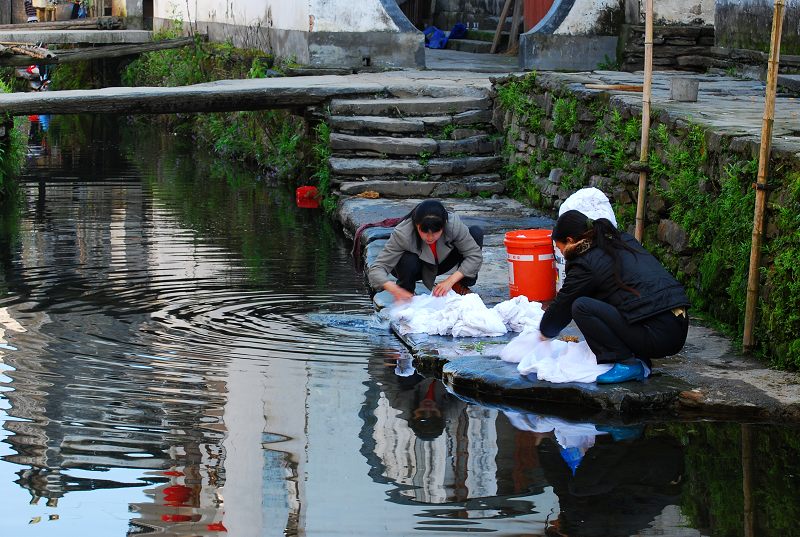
(409, 269)
(613, 339)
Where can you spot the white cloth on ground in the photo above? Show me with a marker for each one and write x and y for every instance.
(552, 360)
(463, 316)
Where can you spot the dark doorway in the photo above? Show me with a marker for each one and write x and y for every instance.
(147, 14)
(418, 12)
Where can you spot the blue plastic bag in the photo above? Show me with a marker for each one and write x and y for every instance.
(459, 31)
(434, 37)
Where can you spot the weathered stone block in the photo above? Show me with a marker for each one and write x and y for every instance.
(555, 175)
(673, 234)
(574, 142)
(587, 148)
(600, 182)
(559, 142)
(621, 195)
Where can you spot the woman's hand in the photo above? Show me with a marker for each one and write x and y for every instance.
(399, 294)
(442, 288)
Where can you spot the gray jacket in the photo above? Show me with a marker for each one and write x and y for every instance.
(404, 239)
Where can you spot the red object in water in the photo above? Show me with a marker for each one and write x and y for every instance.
(307, 197)
(173, 473)
(176, 518)
(217, 526)
(177, 495)
(33, 119)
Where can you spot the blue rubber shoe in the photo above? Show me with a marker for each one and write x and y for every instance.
(623, 373)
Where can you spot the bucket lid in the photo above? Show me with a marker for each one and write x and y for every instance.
(529, 235)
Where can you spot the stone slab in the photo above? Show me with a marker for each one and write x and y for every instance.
(383, 144)
(246, 94)
(413, 106)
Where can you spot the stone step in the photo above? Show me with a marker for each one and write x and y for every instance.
(415, 106)
(338, 180)
(437, 166)
(342, 144)
(469, 45)
(423, 189)
(407, 125)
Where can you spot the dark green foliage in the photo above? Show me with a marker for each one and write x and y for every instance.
(780, 327)
(12, 152)
(321, 154)
(615, 139)
(565, 115)
(272, 140)
(716, 456)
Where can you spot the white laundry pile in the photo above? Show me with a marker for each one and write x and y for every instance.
(552, 360)
(464, 316)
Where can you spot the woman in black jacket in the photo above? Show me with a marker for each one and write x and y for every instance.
(628, 307)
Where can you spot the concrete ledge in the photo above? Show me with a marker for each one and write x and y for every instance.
(557, 52)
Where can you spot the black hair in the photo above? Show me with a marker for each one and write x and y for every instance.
(430, 216)
(601, 233)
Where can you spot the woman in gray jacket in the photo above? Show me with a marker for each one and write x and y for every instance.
(429, 241)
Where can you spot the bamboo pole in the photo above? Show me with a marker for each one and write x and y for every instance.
(500, 24)
(646, 95)
(748, 340)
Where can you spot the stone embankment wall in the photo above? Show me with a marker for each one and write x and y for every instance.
(561, 137)
(693, 48)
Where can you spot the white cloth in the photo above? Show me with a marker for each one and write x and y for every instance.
(464, 316)
(594, 204)
(591, 202)
(552, 360)
(568, 434)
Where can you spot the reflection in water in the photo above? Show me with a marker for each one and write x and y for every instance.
(183, 352)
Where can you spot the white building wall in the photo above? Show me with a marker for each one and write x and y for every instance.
(322, 33)
(683, 12)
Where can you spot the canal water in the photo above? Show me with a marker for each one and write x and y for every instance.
(184, 352)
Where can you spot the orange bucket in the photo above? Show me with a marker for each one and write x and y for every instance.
(531, 264)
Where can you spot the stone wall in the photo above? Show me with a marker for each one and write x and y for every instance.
(694, 48)
(561, 137)
(674, 47)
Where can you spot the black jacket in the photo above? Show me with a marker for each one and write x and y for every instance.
(591, 274)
